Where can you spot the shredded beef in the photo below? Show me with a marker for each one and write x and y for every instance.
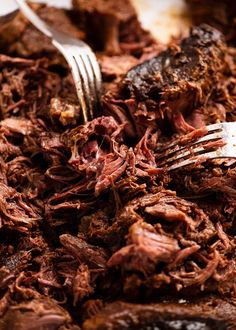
(94, 232)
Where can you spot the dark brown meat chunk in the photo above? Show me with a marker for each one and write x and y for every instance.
(170, 109)
(146, 249)
(111, 21)
(21, 38)
(39, 313)
(220, 14)
(178, 80)
(174, 250)
(189, 63)
(205, 314)
(94, 256)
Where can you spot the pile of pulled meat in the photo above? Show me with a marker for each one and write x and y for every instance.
(94, 233)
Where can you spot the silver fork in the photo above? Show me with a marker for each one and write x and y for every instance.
(219, 142)
(81, 59)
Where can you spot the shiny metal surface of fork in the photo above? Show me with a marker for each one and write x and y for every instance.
(81, 59)
(175, 156)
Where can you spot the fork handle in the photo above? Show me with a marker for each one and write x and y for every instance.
(33, 18)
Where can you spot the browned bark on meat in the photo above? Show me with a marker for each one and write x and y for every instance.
(169, 87)
(211, 313)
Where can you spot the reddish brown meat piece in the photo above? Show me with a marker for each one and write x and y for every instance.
(22, 38)
(220, 14)
(206, 314)
(167, 88)
(145, 250)
(111, 22)
(178, 80)
(36, 314)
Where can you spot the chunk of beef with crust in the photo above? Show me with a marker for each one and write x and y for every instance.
(165, 89)
(205, 314)
(112, 22)
(181, 78)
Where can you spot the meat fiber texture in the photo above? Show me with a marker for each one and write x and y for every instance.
(94, 233)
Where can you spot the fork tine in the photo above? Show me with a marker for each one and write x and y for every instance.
(214, 127)
(210, 137)
(78, 84)
(171, 152)
(193, 150)
(219, 142)
(214, 132)
(97, 80)
(91, 80)
(196, 159)
(96, 71)
(210, 130)
(85, 83)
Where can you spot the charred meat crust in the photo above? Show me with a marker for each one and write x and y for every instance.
(170, 315)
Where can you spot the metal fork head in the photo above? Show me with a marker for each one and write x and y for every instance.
(85, 71)
(219, 141)
(81, 59)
